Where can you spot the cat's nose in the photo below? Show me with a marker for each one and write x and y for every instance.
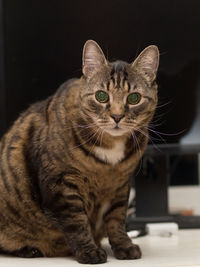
(117, 117)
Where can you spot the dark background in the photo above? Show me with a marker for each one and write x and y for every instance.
(41, 46)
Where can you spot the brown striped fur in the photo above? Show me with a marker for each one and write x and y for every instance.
(65, 171)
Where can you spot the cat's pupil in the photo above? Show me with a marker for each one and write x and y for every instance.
(102, 96)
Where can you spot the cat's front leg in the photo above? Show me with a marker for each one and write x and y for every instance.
(114, 219)
(66, 206)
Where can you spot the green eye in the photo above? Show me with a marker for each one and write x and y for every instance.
(134, 98)
(102, 96)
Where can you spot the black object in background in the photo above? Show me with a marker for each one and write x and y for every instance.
(184, 169)
(151, 185)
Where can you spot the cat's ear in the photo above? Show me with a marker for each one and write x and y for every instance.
(93, 58)
(147, 62)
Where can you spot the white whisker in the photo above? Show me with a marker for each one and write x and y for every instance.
(95, 142)
(93, 135)
(101, 137)
(138, 146)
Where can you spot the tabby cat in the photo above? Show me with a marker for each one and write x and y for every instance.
(66, 162)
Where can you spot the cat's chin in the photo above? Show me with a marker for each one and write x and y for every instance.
(116, 131)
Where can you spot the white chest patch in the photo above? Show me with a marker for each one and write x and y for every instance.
(113, 155)
(101, 213)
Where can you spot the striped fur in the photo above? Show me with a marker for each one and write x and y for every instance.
(61, 187)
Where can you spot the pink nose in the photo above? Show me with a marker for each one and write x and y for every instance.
(117, 117)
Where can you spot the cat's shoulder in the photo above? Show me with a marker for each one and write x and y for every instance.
(63, 89)
(68, 86)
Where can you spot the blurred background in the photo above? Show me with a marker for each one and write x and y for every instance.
(41, 46)
(43, 40)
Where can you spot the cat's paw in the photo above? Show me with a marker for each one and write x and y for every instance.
(129, 253)
(27, 252)
(93, 256)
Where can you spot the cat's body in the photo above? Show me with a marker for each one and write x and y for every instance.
(64, 182)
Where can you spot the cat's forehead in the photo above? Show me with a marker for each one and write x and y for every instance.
(118, 74)
(117, 77)
(121, 77)
(118, 66)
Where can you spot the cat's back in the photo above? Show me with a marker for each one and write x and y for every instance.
(13, 146)
(21, 216)
(36, 115)
(25, 136)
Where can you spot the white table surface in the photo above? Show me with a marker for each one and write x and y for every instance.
(182, 250)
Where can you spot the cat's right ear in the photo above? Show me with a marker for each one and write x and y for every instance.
(147, 62)
(93, 59)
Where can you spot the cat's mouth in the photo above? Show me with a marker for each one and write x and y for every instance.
(116, 127)
(115, 130)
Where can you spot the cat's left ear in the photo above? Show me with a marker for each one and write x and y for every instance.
(147, 62)
(93, 58)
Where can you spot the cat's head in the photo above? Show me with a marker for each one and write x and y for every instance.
(119, 97)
